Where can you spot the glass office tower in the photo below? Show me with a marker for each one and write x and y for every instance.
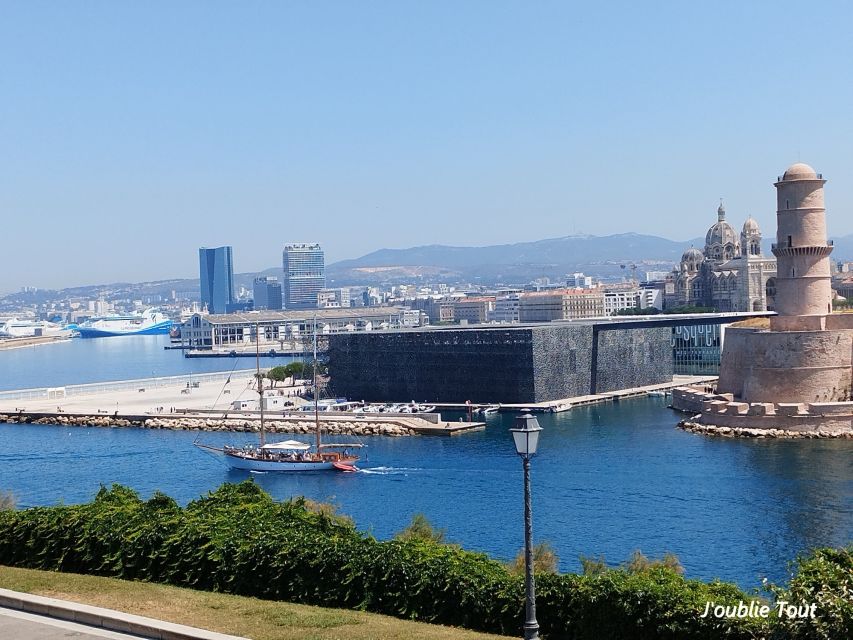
(267, 293)
(216, 273)
(304, 275)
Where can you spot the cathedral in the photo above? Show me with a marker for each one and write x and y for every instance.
(729, 274)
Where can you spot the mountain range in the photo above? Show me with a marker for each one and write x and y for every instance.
(602, 256)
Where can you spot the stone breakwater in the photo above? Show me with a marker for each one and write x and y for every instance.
(337, 427)
(742, 432)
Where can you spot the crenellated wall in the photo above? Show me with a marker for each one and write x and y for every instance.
(719, 414)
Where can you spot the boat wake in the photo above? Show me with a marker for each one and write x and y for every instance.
(389, 471)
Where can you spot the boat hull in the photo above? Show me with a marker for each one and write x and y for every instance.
(253, 464)
(155, 329)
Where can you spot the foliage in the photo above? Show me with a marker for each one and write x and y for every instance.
(7, 500)
(278, 374)
(842, 303)
(637, 311)
(826, 578)
(638, 563)
(298, 369)
(327, 509)
(420, 529)
(545, 560)
(691, 309)
(239, 540)
(593, 566)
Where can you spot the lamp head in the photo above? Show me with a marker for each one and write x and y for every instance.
(525, 434)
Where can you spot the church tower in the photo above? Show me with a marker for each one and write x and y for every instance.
(803, 291)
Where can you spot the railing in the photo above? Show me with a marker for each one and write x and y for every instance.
(118, 385)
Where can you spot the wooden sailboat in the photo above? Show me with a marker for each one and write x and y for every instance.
(289, 455)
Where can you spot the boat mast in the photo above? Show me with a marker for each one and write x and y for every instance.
(260, 380)
(316, 390)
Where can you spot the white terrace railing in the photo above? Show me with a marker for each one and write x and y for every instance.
(183, 380)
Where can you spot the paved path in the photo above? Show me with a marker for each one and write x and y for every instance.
(17, 625)
(25, 616)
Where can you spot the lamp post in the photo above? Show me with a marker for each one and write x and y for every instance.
(525, 433)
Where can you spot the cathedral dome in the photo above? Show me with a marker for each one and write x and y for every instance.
(750, 226)
(691, 259)
(720, 235)
(721, 241)
(799, 171)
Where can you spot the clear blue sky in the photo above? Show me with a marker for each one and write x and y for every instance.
(133, 133)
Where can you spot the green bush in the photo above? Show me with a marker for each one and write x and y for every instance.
(826, 578)
(238, 540)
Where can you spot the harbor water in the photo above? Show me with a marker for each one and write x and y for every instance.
(609, 479)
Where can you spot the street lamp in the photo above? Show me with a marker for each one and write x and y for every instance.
(525, 433)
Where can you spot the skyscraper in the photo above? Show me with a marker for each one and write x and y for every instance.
(216, 275)
(267, 293)
(304, 275)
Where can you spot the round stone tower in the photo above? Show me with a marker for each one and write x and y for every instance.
(803, 291)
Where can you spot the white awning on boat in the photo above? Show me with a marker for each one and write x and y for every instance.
(291, 445)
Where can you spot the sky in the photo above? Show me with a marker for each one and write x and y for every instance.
(133, 133)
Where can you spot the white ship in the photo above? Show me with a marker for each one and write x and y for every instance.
(149, 322)
(14, 328)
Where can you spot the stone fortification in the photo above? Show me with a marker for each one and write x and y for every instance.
(792, 366)
(797, 374)
(721, 414)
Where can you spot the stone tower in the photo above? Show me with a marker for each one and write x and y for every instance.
(803, 291)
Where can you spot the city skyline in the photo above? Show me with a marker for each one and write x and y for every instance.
(397, 126)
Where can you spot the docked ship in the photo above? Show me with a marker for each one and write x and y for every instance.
(149, 322)
(14, 328)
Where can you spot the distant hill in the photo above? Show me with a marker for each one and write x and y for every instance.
(518, 262)
(506, 263)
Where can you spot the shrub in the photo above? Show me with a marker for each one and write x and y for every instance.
(420, 529)
(825, 578)
(239, 540)
(545, 560)
(7, 500)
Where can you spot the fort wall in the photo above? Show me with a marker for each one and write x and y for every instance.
(791, 366)
(720, 414)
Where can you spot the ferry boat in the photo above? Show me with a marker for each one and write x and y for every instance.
(14, 328)
(149, 322)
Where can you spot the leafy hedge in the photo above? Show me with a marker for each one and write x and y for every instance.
(238, 540)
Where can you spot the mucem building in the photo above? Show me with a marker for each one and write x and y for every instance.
(532, 363)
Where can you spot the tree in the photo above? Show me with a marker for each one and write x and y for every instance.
(545, 559)
(7, 500)
(278, 374)
(421, 530)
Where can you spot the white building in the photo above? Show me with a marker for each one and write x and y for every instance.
(506, 309)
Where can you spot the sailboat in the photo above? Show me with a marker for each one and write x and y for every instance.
(289, 455)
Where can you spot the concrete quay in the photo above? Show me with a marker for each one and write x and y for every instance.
(565, 404)
(33, 341)
(205, 407)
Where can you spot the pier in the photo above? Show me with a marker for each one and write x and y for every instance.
(565, 404)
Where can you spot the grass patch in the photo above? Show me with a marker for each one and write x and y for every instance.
(752, 323)
(237, 615)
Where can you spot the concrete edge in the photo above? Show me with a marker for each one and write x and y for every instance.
(106, 618)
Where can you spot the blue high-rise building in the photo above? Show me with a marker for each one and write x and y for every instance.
(216, 273)
(304, 275)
